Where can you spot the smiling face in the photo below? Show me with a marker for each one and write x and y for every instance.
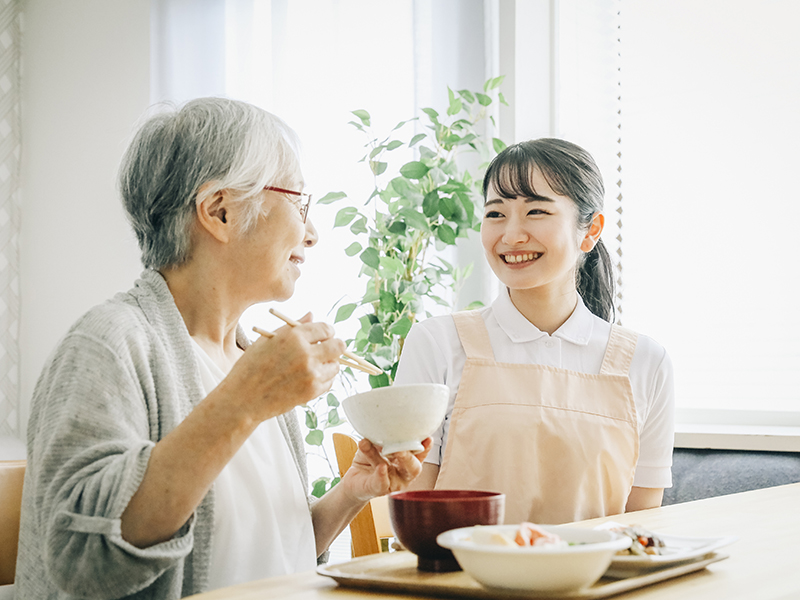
(270, 254)
(532, 242)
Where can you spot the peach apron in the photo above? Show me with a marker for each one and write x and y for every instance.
(561, 445)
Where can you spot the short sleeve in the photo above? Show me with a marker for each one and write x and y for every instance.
(423, 361)
(657, 435)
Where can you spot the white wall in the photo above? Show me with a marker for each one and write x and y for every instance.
(86, 73)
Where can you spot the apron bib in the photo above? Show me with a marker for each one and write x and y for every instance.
(561, 445)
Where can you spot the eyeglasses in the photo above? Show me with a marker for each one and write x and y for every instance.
(305, 199)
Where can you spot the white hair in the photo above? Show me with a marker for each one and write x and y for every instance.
(212, 142)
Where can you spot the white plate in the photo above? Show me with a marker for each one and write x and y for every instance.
(677, 549)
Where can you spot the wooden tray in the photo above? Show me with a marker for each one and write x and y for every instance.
(397, 572)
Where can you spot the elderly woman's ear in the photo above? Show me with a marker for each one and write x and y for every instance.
(213, 213)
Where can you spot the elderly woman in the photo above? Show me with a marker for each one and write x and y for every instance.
(164, 457)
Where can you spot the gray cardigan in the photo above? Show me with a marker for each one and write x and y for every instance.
(121, 379)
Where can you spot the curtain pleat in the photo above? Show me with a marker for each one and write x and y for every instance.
(10, 148)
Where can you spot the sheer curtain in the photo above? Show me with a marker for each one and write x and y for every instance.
(10, 147)
(710, 97)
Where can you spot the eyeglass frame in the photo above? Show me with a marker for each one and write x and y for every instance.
(304, 206)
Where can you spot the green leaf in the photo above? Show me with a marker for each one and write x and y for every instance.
(319, 486)
(344, 312)
(483, 99)
(447, 207)
(493, 83)
(394, 144)
(331, 400)
(430, 204)
(502, 98)
(359, 226)
(455, 107)
(498, 145)
(416, 138)
(392, 265)
(333, 418)
(377, 381)
(414, 169)
(311, 419)
(377, 166)
(371, 258)
(353, 249)
(363, 115)
(375, 151)
(331, 197)
(453, 186)
(467, 95)
(315, 437)
(432, 114)
(388, 302)
(474, 305)
(375, 334)
(469, 207)
(403, 187)
(445, 233)
(344, 216)
(397, 227)
(415, 219)
(401, 327)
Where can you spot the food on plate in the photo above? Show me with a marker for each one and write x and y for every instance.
(528, 534)
(644, 541)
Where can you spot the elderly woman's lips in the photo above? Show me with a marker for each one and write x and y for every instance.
(299, 260)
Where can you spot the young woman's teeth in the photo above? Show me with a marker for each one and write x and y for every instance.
(518, 258)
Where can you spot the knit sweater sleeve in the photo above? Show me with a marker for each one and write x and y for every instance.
(94, 421)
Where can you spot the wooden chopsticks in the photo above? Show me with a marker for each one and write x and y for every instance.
(355, 362)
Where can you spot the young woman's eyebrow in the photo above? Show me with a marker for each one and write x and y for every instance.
(527, 199)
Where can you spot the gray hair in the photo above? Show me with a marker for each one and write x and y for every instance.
(224, 143)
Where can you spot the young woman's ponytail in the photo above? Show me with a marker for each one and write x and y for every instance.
(570, 171)
(595, 282)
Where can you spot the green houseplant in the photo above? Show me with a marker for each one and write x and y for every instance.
(427, 205)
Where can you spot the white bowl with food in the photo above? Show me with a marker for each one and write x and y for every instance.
(398, 417)
(563, 558)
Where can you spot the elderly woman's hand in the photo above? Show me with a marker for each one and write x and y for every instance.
(276, 374)
(372, 474)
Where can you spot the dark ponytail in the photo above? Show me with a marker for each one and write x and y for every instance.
(570, 171)
(595, 282)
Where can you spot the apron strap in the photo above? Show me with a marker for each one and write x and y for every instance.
(619, 352)
(473, 335)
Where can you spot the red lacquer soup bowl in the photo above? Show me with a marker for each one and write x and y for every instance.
(419, 516)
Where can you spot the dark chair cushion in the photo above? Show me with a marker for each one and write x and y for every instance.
(698, 474)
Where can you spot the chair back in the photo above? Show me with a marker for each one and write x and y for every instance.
(373, 523)
(12, 473)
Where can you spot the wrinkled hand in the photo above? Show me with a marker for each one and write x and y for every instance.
(276, 374)
(372, 474)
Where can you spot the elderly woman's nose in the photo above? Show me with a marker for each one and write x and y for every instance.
(312, 237)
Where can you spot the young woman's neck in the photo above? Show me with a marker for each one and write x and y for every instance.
(548, 308)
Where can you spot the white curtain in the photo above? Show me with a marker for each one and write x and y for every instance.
(10, 148)
(711, 93)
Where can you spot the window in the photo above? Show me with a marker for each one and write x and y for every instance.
(710, 92)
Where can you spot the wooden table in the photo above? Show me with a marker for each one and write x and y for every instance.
(763, 565)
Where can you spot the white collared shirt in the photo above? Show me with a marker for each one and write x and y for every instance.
(433, 353)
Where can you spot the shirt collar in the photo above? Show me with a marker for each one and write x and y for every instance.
(577, 329)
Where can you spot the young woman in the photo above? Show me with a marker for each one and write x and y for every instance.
(568, 414)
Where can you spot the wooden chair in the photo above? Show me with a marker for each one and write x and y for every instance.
(372, 524)
(12, 472)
